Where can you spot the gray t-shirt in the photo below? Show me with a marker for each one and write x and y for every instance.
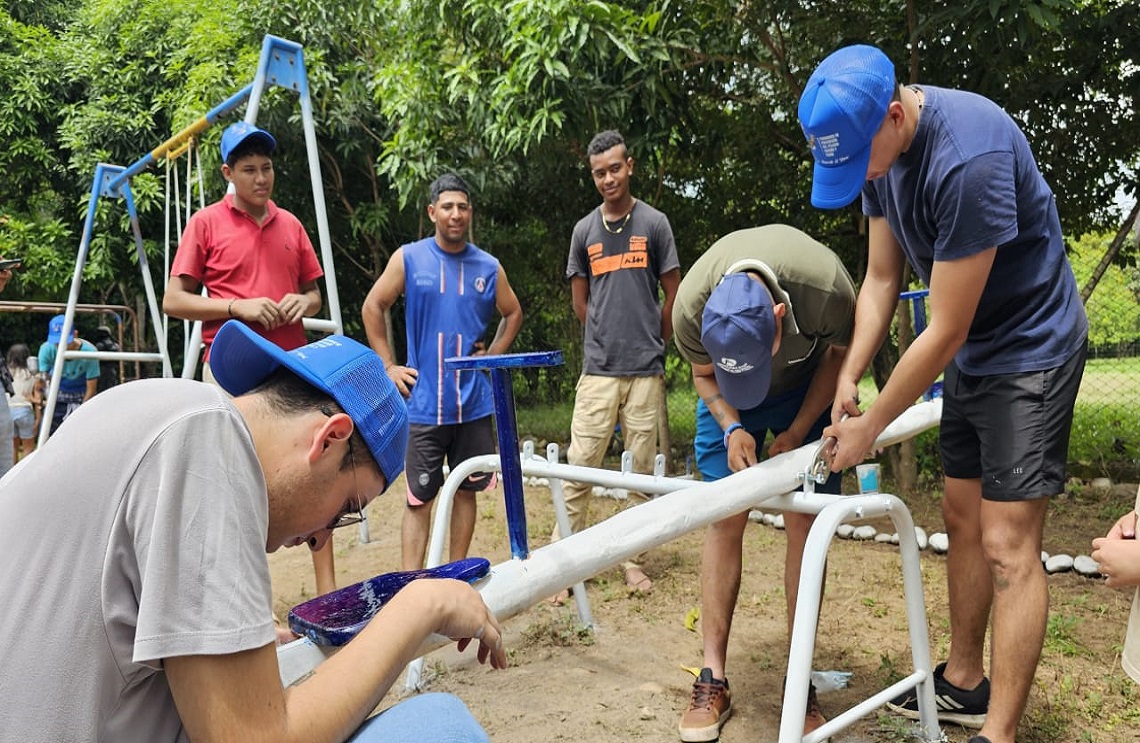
(623, 314)
(135, 534)
(811, 281)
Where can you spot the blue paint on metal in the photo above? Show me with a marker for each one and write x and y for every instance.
(502, 390)
(505, 360)
(917, 299)
(335, 618)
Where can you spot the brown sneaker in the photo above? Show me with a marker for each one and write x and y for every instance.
(710, 707)
(813, 718)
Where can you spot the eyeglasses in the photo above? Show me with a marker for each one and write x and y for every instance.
(348, 519)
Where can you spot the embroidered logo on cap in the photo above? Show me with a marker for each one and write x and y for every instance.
(732, 367)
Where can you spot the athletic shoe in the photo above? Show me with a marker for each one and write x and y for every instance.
(813, 718)
(813, 715)
(979, 739)
(965, 707)
(710, 707)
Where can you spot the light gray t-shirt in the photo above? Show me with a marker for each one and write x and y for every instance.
(811, 281)
(623, 314)
(135, 534)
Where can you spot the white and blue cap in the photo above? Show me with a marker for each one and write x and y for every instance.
(738, 328)
(55, 329)
(349, 371)
(842, 107)
(237, 133)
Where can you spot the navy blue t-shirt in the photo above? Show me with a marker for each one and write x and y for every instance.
(967, 183)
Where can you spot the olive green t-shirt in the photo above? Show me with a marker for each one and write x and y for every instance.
(812, 282)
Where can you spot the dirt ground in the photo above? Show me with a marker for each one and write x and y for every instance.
(629, 679)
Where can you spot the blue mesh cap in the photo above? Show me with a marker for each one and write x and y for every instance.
(239, 132)
(842, 107)
(240, 359)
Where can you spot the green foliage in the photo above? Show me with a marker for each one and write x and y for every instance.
(507, 93)
(1061, 635)
(1113, 310)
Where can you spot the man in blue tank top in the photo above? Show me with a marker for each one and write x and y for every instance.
(451, 290)
(950, 186)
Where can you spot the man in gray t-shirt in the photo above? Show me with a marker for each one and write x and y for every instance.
(138, 606)
(619, 254)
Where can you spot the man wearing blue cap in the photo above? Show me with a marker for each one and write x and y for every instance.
(80, 379)
(764, 317)
(256, 262)
(155, 622)
(949, 185)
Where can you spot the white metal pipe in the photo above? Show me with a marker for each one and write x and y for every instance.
(515, 585)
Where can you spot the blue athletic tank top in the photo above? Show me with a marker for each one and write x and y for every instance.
(450, 299)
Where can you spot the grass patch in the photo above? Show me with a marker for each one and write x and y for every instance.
(560, 630)
(1061, 636)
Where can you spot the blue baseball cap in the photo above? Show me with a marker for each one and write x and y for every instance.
(240, 359)
(738, 329)
(842, 107)
(239, 132)
(55, 328)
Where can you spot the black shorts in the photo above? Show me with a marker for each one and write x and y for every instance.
(427, 447)
(1010, 430)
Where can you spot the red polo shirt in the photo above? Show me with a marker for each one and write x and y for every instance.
(228, 252)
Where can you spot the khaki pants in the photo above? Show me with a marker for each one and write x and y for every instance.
(599, 403)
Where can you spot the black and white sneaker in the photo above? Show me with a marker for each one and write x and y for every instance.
(965, 707)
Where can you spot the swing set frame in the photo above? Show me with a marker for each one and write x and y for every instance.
(281, 64)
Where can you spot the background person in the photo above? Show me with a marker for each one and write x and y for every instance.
(256, 262)
(763, 317)
(949, 185)
(155, 638)
(453, 292)
(108, 370)
(26, 401)
(80, 379)
(620, 255)
(1117, 554)
(6, 428)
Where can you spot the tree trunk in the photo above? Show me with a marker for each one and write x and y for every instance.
(900, 459)
(1111, 253)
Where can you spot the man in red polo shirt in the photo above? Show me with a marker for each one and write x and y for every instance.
(256, 262)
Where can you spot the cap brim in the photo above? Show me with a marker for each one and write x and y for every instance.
(745, 391)
(836, 186)
(240, 359)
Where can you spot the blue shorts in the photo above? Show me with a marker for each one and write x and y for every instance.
(24, 421)
(775, 414)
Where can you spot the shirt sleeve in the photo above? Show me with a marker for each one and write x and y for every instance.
(576, 264)
(199, 522)
(666, 247)
(310, 269)
(190, 258)
(976, 206)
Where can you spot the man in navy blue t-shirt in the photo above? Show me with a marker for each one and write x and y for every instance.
(949, 185)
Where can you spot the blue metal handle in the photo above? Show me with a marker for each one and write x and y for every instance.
(502, 390)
